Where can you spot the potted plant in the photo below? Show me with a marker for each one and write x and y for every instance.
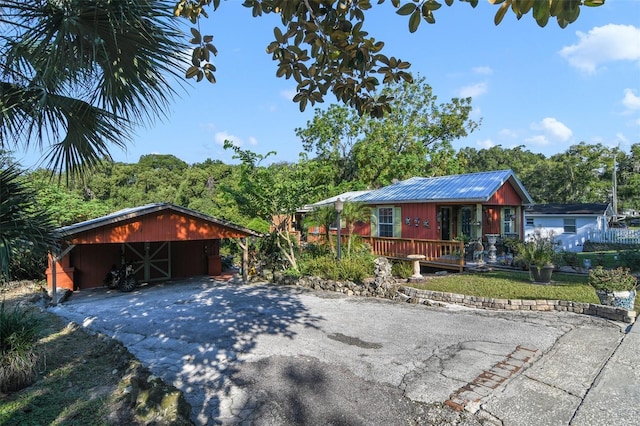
(614, 287)
(538, 253)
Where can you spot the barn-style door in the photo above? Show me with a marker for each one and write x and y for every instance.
(151, 260)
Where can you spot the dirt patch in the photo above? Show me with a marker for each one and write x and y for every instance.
(85, 378)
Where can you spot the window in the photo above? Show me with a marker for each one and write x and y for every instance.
(530, 222)
(509, 221)
(570, 226)
(385, 221)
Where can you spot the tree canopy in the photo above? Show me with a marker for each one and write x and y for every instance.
(412, 139)
(325, 47)
(79, 76)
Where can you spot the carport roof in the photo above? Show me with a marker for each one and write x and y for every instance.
(134, 212)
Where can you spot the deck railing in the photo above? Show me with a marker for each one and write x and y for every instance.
(446, 254)
(437, 253)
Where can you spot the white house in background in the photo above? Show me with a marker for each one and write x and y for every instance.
(571, 224)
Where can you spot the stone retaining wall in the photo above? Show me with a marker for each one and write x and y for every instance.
(414, 295)
(386, 286)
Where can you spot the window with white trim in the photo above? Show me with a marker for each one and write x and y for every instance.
(509, 220)
(570, 226)
(385, 221)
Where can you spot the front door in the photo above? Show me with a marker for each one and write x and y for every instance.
(445, 223)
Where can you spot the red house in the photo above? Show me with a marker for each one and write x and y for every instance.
(442, 209)
(163, 241)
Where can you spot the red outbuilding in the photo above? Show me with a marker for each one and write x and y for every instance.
(161, 240)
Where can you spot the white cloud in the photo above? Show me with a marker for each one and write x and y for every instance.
(631, 101)
(473, 90)
(604, 44)
(554, 128)
(483, 70)
(508, 133)
(220, 137)
(486, 144)
(288, 94)
(620, 137)
(537, 140)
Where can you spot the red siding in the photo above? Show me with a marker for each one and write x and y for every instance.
(194, 242)
(417, 214)
(161, 226)
(505, 196)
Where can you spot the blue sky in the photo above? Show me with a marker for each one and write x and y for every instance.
(544, 88)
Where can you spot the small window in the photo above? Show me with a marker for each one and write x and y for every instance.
(569, 226)
(530, 222)
(509, 221)
(385, 221)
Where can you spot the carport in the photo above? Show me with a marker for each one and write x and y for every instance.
(163, 241)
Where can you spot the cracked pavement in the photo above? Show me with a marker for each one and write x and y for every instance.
(261, 354)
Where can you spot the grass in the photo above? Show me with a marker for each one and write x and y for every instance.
(515, 285)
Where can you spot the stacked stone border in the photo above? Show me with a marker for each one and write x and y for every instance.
(389, 289)
(414, 295)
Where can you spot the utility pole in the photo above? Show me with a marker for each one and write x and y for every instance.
(614, 195)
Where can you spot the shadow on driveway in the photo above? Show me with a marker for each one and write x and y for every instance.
(192, 332)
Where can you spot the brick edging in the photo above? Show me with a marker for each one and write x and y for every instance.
(617, 314)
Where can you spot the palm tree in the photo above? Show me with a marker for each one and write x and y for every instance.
(352, 214)
(25, 227)
(77, 76)
(324, 217)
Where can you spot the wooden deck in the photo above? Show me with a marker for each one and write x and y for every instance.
(438, 254)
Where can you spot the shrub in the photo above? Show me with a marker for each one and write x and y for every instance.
(609, 280)
(351, 268)
(538, 249)
(570, 258)
(18, 330)
(630, 259)
(402, 269)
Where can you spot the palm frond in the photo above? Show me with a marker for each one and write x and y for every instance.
(77, 76)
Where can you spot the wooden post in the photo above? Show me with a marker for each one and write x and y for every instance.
(54, 296)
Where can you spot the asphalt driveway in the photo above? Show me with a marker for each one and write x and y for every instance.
(284, 355)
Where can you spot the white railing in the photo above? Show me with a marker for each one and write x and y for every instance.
(618, 236)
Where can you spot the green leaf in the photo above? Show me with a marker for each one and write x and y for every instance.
(431, 5)
(192, 72)
(500, 14)
(278, 35)
(541, 12)
(407, 9)
(197, 38)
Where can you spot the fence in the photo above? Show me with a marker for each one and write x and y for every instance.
(617, 236)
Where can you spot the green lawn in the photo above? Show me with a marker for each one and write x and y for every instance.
(515, 285)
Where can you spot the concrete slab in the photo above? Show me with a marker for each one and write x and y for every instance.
(574, 362)
(526, 402)
(614, 398)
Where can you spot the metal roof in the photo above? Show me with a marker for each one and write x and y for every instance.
(589, 209)
(471, 187)
(133, 212)
(345, 196)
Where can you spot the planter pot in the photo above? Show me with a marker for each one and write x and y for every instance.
(617, 299)
(545, 274)
(540, 275)
(534, 273)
